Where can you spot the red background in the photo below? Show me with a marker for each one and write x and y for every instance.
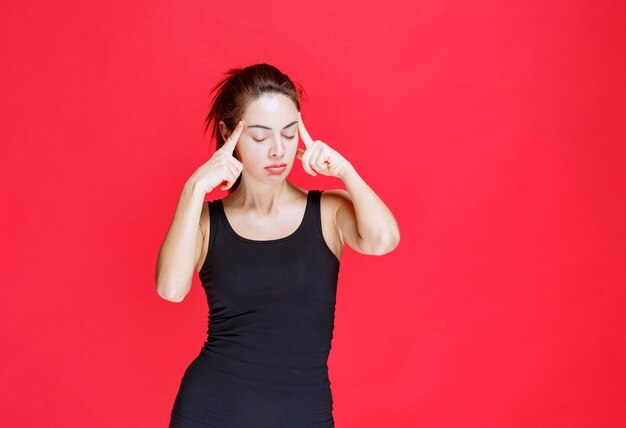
(493, 130)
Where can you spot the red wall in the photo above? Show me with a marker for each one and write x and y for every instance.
(493, 130)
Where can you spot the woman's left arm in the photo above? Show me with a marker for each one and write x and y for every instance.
(364, 221)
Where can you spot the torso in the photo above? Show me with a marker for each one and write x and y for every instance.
(279, 225)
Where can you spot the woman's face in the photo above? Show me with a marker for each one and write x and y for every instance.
(270, 137)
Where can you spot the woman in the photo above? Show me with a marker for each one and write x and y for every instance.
(268, 258)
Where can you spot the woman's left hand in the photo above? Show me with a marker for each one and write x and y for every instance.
(319, 156)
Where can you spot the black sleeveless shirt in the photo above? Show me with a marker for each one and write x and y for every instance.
(271, 319)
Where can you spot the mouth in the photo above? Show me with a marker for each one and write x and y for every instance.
(277, 168)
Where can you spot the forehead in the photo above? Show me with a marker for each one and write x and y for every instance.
(272, 110)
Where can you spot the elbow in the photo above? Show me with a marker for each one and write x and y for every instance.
(387, 244)
(169, 293)
(171, 287)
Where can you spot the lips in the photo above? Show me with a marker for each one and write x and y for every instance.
(277, 168)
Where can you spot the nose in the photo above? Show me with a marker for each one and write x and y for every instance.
(277, 150)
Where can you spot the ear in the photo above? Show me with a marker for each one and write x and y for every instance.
(224, 130)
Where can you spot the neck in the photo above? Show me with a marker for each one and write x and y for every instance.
(261, 197)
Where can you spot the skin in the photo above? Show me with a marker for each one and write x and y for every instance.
(267, 206)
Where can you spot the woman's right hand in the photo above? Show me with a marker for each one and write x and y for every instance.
(222, 169)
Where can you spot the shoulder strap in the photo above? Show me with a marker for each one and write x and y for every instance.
(214, 214)
(316, 197)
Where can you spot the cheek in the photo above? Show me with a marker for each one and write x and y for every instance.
(251, 152)
(292, 147)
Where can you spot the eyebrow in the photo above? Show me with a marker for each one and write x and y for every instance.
(265, 127)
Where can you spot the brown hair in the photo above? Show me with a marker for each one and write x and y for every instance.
(240, 87)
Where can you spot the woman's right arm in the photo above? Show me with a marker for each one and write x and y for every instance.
(182, 245)
(179, 252)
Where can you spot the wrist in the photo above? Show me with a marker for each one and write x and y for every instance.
(346, 170)
(192, 187)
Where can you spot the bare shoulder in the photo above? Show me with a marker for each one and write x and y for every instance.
(204, 230)
(331, 201)
(345, 221)
(334, 198)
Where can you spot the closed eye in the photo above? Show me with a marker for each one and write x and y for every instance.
(286, 136)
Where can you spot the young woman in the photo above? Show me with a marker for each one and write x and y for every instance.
(268, 258)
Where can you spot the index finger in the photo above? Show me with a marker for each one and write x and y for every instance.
(306, 138)
(231, 142)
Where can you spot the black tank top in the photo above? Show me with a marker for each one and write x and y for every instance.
(271, 320)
